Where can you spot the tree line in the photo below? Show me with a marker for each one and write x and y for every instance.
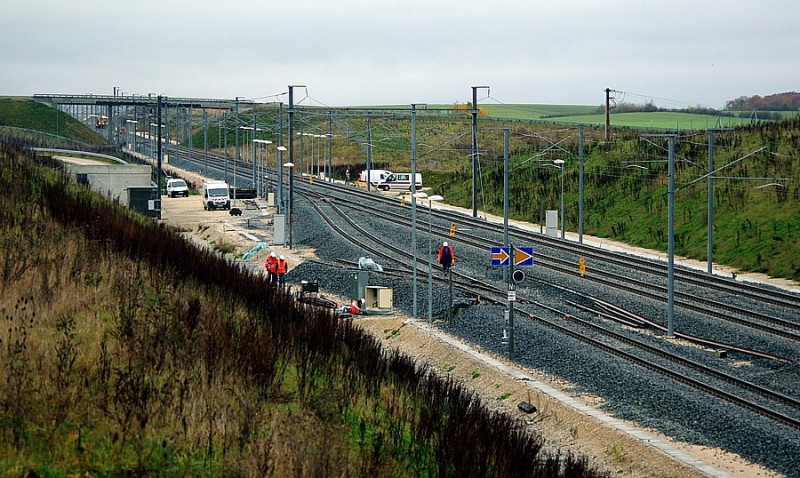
(789, 101)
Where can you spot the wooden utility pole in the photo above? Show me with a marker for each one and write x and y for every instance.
(608, 113)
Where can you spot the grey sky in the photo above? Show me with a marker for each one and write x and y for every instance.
(359, 52)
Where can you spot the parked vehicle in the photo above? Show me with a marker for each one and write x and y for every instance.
(177, 187)
(375, 175)
(400, 181)
(216, 195)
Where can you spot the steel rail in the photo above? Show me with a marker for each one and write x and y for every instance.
(720, 310)
(673, 374)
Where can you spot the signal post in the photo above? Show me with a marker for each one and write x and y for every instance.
(522, 257)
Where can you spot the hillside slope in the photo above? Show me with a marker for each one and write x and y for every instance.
(756, 200)
(28, 114)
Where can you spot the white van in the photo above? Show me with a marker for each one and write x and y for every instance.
(401, 181)
(216, 195)
(177, 187)
(375, 175)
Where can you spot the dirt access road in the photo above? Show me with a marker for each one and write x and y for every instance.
(502, 385)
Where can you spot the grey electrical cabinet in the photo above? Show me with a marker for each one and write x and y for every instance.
(279, 229)
(552, 223)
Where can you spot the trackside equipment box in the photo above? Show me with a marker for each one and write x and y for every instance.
(378, 297)
(359, 280)
(138, 198)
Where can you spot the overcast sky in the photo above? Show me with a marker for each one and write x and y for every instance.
(676, 53)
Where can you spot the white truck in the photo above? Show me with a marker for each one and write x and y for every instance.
(216, 195)
(375, 175)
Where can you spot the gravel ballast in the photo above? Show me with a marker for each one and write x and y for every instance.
(629, 391)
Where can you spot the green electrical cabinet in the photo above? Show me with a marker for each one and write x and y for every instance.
(359, 280)
(142, 200)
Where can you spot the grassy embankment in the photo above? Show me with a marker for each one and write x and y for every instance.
(755, 229)
(39, 117)
(126, 351)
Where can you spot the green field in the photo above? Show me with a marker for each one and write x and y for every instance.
(587, 114)
(518, 111)
(659, 120)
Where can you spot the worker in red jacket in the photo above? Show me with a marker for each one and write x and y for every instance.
(354, 307)
(272, 267)
(281, 269)
(446, 256)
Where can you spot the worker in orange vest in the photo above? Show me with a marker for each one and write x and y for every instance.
(281, 269)
(272, 267)
(446, 256)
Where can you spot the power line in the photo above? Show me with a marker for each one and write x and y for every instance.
(673, 102)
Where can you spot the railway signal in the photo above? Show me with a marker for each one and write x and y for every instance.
(523, 256)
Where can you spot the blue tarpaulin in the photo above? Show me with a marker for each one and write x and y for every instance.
(258, 247)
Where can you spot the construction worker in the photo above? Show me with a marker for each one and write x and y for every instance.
(347, 176)
(356, 306)
(446, 256)
(281, 270)
(272, 267)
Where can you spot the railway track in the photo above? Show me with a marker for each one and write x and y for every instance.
(355, 233)
(773, 296)
(714, 283)
(724, 309)
(789, 329)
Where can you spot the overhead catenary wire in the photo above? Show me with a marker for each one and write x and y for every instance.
(276, 95)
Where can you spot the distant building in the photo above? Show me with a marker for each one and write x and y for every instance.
(109, 179)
